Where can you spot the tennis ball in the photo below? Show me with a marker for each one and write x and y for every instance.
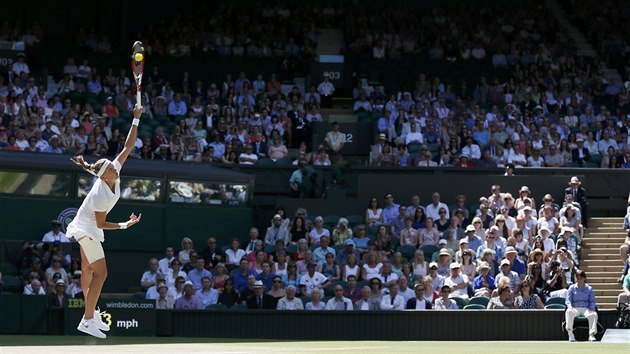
(138, 57)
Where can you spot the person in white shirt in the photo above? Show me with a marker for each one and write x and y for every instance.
(433, 209)
(165, 263)
(20, 66)
(335, 139)
(313, 281)
(458, 282)
(90, 221)
(34, 288)
(393, 301)
(339, 302)
(234, 254)
(471, 149)
(414, 136)
(248, 157)
(289, 301)
(149, 277)
(404, 290)
(55, 234)
(326, 89)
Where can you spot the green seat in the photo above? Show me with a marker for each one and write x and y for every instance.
(556, 300)
(474, 307)
(239, 307)
(460, 301)
(270, 249)
(336, 193)
(429, 250)
(407, 251)
(596, 159)
(214, 307)
(556, 307)
(572, 164)
(291, 249)
(331, 219)
(479, 300)
(8, 269)
(354, 220)
(266, 162)
(11, 283)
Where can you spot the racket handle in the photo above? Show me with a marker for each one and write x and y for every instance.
(138, 98)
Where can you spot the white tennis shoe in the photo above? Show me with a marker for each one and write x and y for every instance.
(89, 327)
(571, 336)
(99, 321)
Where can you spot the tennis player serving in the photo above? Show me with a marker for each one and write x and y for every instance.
(87, 227)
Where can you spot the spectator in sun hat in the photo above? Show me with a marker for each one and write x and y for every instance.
(259, 300)
(58, 296)
(505, 272)
(457, 281)
(188, 301)
(579, 195)
(516, 264)
(484, 284)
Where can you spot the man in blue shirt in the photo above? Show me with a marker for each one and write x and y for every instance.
(581, 302)
(516, 265)
(390, 211)
(198, 273)
(240, 277)
(319, 255)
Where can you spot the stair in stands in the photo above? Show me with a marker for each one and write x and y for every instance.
(600, 258)
(330, 41)
(584, 48)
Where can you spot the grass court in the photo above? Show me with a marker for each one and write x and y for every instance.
(85, 344)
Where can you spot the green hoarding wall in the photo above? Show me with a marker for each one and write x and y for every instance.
(27, 218)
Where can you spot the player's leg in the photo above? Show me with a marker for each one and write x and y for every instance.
(86, 273)
(99, 274)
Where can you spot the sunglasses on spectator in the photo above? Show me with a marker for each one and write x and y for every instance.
(181, 282)
(419, 289)
(277, 281)
(446, 291)
(56, 261)
(477, 222)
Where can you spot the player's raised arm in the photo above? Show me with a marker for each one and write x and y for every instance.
(131, 137)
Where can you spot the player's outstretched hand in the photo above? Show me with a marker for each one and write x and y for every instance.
(137, 111)
(133, 219)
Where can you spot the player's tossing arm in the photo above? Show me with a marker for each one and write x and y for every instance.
(131, 137)
(106, 225)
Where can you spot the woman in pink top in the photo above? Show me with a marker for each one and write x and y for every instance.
(277, 150)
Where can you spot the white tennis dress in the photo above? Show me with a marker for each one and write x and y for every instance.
(100, 198)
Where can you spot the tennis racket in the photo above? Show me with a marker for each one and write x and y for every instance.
(137, 67)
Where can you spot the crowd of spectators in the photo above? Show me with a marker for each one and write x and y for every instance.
(17, 32)
(280, 29)
(238, 121)
(604, 25)
(462, 31)
(506, 248)
(546, 114)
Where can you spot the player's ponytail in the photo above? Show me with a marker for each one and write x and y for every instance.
(92, 168)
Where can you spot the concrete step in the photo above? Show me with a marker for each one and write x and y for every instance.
(598, 256)
(595, 262)
(595, 240)
(613, 292)
(599, 246)
(606, 219)
(603, 268)
(603, 284)
(604, 233)
(610, 299)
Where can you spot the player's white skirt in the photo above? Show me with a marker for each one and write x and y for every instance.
(87, 238)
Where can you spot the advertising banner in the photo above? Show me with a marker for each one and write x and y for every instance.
(127, 317)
